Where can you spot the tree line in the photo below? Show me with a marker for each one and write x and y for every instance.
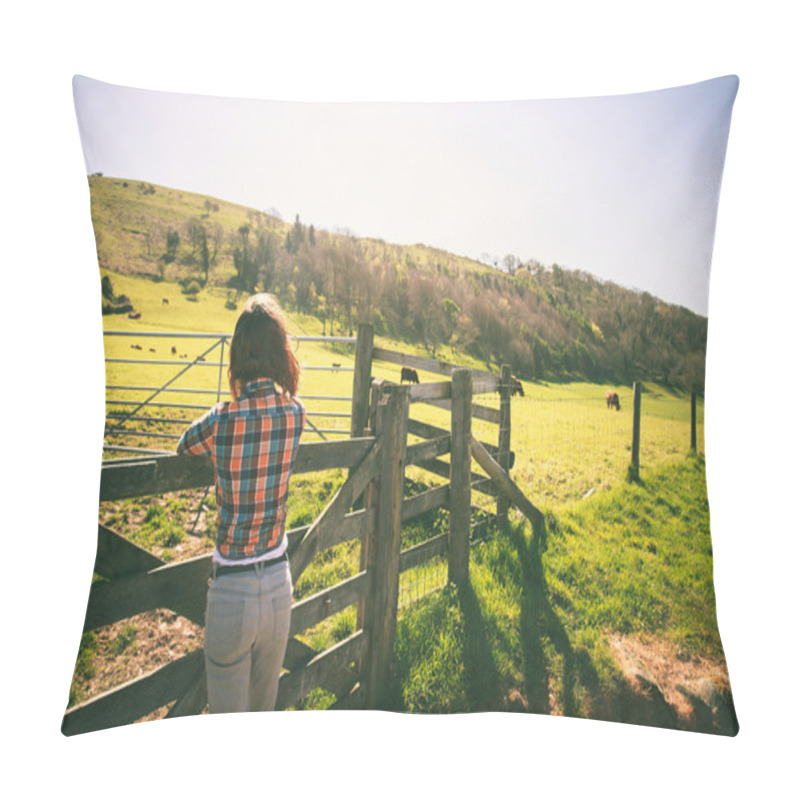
(546, 322)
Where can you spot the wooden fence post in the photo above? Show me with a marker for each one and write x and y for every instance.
(362, 378)
(460, 463)
(504, 437)
(693, 442)
(637, 409)
(383, 552)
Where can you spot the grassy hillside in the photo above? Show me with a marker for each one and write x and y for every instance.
(538, 632)
(546, 322)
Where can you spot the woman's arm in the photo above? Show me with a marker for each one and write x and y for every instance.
(198, 438)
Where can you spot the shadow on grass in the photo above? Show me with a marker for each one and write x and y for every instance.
(481, 678)
(540, 624)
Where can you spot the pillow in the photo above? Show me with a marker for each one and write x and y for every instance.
(488, 487)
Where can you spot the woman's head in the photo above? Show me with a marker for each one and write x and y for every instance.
(260, 347)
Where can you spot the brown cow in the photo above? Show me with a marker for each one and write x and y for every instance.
(408, 374)
(135, 315)
(612, 399)
(516, 387)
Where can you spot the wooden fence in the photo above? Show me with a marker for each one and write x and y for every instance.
(355, 670)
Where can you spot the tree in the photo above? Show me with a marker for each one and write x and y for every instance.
(173, 241)
(244, 262)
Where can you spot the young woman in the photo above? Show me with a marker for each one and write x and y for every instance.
(252, 441)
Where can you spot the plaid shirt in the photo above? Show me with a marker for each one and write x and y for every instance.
(253, 443)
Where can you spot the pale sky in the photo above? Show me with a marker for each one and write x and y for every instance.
(625, 188)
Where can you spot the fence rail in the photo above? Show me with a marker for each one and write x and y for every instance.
(376, 455)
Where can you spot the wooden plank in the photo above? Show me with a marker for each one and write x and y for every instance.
(427, 431)
(181, 587)
(503, 456)
(312, 610)
(420, 553)
(504, 482)
(423, 392)
(353, 525)
(425, 364)
(323, 531)
(426, 501)
(194, 699)
(352, 701)
(299, 654)
(426, 451)
(478, 412)
(485, 486)
(170, 473)
(362, 378)
(118, 557)
(294, 685)
(384, 548)
(135, 699)
(480, 483)
(460, 478)
(487, 385)
(319, 456)
(417, 362)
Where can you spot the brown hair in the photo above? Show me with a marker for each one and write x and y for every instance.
(260, 347)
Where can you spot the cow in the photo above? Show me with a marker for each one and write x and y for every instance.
(612, 399)
(152, 349)
(516, 387)
(135, 315)
(136, 346)
(336, 366)
(408, 374)
(164, 301)
(174, 350)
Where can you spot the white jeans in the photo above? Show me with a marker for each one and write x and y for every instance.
(247, 628)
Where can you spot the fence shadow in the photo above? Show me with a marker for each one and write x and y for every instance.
(539, 624)
(481, 678)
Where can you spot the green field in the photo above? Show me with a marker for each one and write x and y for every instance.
(623, 558)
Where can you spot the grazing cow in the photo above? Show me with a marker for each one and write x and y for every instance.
(135, 315)
(201, 358)
(183, 355)
(164, 301)
(152, 349)
(408, 374)
(516, 387)
(612, 399)
(174, 350)
(336, 367)
(136, 346)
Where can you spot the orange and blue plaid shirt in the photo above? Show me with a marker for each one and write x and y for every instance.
(253, 443)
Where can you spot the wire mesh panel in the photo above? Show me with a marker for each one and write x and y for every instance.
(422, 579)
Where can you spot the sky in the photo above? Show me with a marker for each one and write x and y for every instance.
(624, 187)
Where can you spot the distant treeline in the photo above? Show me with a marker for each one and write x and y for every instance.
(546, 322)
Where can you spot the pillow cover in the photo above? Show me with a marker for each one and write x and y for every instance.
(498, 499)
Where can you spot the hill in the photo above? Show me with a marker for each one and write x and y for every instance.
(546, 322)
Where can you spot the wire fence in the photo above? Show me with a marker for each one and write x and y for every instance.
(157, 383)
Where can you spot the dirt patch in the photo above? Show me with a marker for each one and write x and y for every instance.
(134, 647)
(671, 688)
